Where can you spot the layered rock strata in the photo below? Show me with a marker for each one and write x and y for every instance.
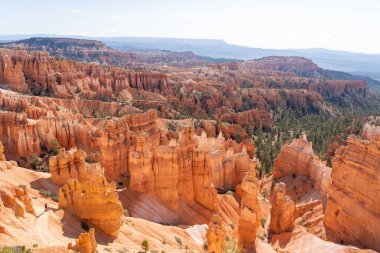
(252, 118)
(42, 74)
(352, 212)
(95, 201)
(196, 164)
(71, 164)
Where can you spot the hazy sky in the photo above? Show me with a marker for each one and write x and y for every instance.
(352, 25)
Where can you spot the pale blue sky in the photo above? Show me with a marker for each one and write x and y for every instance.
(351, 25)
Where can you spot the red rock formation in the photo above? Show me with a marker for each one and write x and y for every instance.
(37, 107)
(3, 230)
(216, 235)
(2, 157)
(298, 158)
(95, 201)
(86, 243)
(352, 211)
(190, 169)
(71, 164)
(251, 119)
(42, 74)
(204, 190)
(282, 211)
(24, 137)
(20, 201)
(132, 149)
(97, 51)
(23, 196)
(302, 67)
(250, 215)
(11, 72)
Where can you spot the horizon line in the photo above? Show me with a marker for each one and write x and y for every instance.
(43, 35)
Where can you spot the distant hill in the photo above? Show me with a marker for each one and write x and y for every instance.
(97, 51)
(61, 43)
(353, 63)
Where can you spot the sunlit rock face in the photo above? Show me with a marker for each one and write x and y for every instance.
(282, 210)
(71, 164)
(86, 243)
(353, 210)
(95, 201)
(298, 159)
(216, 235)
(250, 214)
(39, 72)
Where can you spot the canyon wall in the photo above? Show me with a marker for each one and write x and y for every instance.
(352, 211)
(298, 158)
(71, 164)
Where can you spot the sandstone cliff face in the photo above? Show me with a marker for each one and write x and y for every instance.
(45, 75)
(26, 134)
(216, 235)
(352, 211)
(86, 243)
(250, 215)
(190, 168)
(71, 164)
(11, 73)
(298, 158)
(282, 211)
(95, 201)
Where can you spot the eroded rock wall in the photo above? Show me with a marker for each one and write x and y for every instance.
(42, 74)
(95, 201)
(353, 210)
(298, 158)
(72, 164)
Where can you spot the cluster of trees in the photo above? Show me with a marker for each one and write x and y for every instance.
(321, 129)
(40, 162)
